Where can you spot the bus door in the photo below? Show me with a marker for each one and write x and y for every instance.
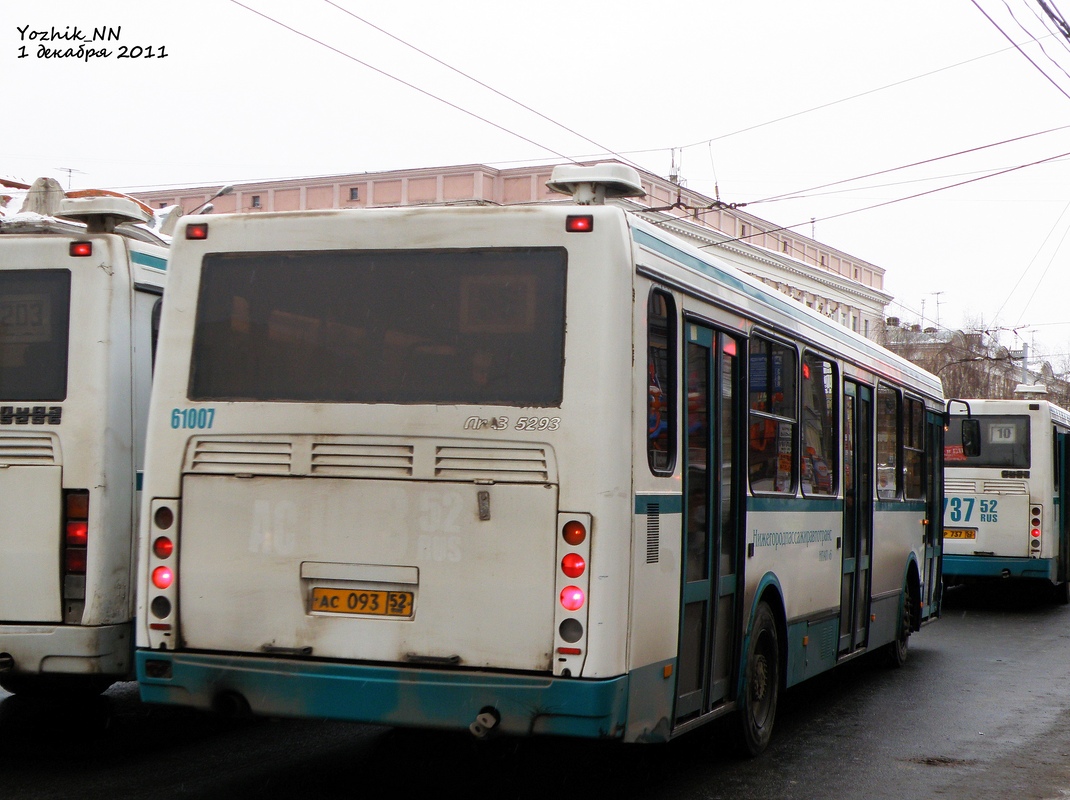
(857, 516)
(709, 626)
(1062, 495)
(934, 513)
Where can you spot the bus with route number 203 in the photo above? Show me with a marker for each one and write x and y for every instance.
(1005, 479)
(541, 469)
(81, 280)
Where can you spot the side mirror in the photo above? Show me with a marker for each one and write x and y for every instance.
(971, 437)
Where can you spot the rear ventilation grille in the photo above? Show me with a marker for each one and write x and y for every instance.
(1004, 487)
(653, 532)
(237, 456)
(505, 464)
(368, 457)
(362, 460)
(959, 485)
(34, 450)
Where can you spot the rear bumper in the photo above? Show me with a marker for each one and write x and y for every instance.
(68, 649)
(997, 567)
(400, 696)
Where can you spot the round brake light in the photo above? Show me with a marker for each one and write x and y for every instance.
(574, 533)
(572, 598)
(163, 547)
(573, 565)
(162, 577)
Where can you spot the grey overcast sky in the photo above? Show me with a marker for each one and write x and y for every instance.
(754, 101)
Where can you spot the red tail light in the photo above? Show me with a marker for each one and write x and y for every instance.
(573, 565)
(78, 533)
(574, 533)
(572, 598)
(163, 547)
(162, 577)
(75, 552)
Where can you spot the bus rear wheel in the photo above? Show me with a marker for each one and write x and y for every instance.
(895, 652)
(761, 682)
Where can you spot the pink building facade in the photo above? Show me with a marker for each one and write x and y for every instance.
(832, 282)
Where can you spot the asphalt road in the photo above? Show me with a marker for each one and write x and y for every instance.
(979, 711)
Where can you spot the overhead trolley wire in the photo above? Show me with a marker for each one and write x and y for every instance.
(1020, 50)
(503, 95)
(403, 82)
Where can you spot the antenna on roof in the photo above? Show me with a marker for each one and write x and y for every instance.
(591, 185)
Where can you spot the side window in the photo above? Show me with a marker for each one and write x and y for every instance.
(156, 308)
(661, 375)
(913, 449)
(1055, 458)
(772, 369)
(820, 439)
(887, 443)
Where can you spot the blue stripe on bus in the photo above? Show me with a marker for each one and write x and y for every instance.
(667, 503)
(914, 506)
(993, 567)
(528, 704)
(794, 504)
(145, 260)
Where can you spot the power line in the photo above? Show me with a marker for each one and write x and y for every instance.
(1020, 50)
(844, 99)
(802, 193)
(412, 86)
(478, 82)
(884, 203)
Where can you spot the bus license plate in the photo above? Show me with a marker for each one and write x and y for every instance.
(373, 602)
(960, 533)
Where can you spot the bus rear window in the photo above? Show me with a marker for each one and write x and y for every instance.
(1004, 443)
(482, 326)
(34, 325)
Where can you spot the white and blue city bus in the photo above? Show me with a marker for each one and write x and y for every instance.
(541, 470)
(1005, 478)
(81, 280)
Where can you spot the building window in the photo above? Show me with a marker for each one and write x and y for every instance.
(163, 205)
(354, 193)
(824, 261)
(256, 201)
(742, 231)
(785, 246)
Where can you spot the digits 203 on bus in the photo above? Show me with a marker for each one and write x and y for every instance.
(537, 470)
(81, 279)
(1005, 477)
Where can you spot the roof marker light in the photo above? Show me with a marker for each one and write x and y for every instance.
(81, 249)
(579, 223)
(197, 230)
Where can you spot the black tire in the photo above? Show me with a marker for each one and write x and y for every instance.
(1060, 593)
(895, 653)
(761, 682)
(55, 685)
